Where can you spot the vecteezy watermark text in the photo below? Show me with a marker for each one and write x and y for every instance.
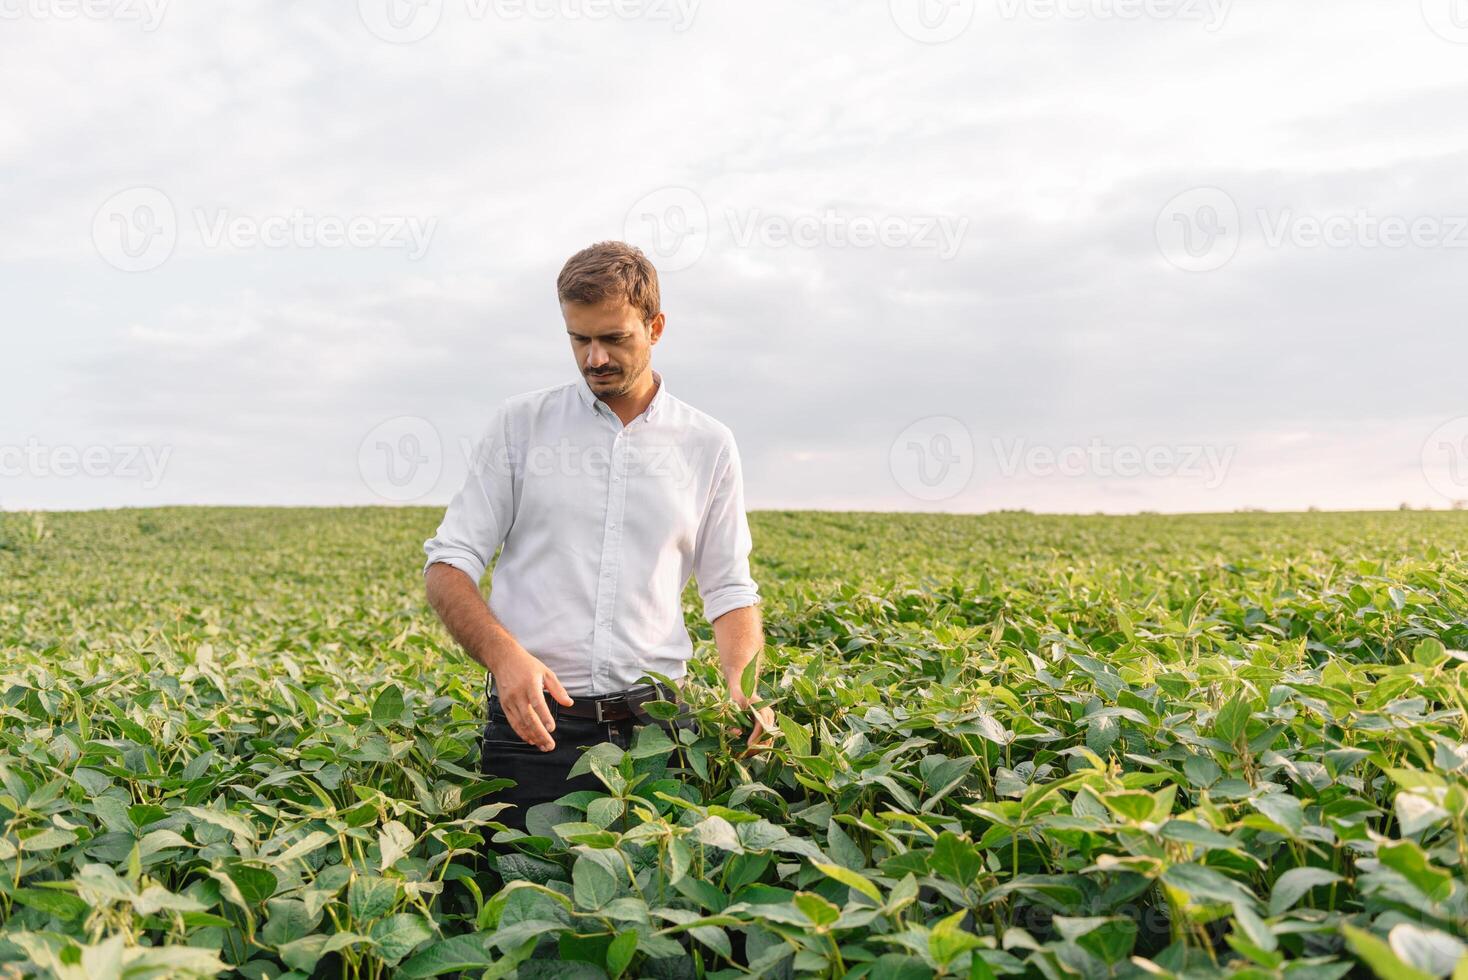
(137, 229)
(147, 13)
(130, 462)
(934, 459)
(402, 459)
(1203, 228)
(1096, 458)
(409, 21)
(672, 224)
(937, 21)
(674, 464)
(299, 229)
(1210, 13)
(834, 229)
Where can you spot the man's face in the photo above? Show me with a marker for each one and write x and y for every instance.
(613, 347)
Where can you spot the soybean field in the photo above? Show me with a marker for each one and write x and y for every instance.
(236, 742)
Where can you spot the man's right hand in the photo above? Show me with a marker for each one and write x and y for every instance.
(521, 681)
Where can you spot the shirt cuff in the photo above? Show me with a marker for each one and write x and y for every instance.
(464, 561)
(727, 600)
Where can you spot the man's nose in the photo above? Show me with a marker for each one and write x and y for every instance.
(596, 356)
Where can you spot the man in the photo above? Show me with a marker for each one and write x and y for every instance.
(607, 494)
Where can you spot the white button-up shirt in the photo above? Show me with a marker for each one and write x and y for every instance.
(601, 526)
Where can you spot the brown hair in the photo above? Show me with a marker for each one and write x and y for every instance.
(609, 269)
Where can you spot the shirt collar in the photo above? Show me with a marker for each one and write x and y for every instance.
(658, 397)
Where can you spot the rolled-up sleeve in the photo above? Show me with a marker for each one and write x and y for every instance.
(480, 515)
(721, 551)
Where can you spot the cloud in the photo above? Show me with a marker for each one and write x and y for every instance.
(1014, 177)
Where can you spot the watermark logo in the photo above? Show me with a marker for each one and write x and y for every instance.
(1199, 230)
(1445, 459)
(135, 229)
(401, 21)
(147, 13)
(932, 21)
(1210, 13)
(401, 459)
(671, 223)
(933, 458)
(1448, 19)
(128, 462)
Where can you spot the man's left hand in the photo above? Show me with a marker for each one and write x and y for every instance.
(764, 727)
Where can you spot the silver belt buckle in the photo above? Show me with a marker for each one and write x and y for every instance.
(600, 702)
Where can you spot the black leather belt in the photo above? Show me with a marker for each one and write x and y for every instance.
(617, 706)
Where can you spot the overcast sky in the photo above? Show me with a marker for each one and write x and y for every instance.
(1064, 255)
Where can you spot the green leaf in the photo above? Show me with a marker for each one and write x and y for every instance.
(795, 735)
(1132, 806)
(592, 884)
(457, 953)
(1201, 770)
(1426, 949)
(956, 859)
(946, 941)
(289, 920)
(232, 822)
(303, 954)
(1232, 719)
(1109, 938)
(749, 677)
(395, 841)
(1255, 928)
(1284, 810)
(1206, 884)
(816, 908)
(661, 710)
(398, 935)
(1430, 652)
(716, 832)
(370, 897)
(1410, 861)
(1291, 886)
(619, 953)
(388, 707)
(851, 879)
(64, 905)
(714, 938)
(603, 810)
(1379, 956)
(1192, 832)
(255, 884)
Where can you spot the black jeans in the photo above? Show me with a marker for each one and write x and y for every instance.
(541, 777)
